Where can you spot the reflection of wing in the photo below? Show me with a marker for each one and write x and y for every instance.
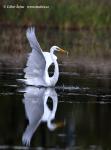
(36, 62)
(34, 108)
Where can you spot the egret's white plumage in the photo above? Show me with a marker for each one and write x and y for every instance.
(36, 71)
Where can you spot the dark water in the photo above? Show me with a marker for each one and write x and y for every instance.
(76, 116)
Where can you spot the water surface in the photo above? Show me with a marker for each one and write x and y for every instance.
(82, 110)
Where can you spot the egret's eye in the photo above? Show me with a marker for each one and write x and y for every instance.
(57, 48)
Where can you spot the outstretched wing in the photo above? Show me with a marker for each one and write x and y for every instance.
(36, 63)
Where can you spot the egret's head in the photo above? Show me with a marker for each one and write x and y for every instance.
(56, 48)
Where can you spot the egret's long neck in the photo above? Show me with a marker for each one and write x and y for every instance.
(55, 76)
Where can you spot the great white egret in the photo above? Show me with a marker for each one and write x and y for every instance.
(36, 71)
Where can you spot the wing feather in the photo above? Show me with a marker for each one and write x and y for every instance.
(36, 63)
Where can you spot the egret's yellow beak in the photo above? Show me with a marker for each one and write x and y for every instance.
(63, 51)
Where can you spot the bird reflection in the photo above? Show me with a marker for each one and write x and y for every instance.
(37, 110)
